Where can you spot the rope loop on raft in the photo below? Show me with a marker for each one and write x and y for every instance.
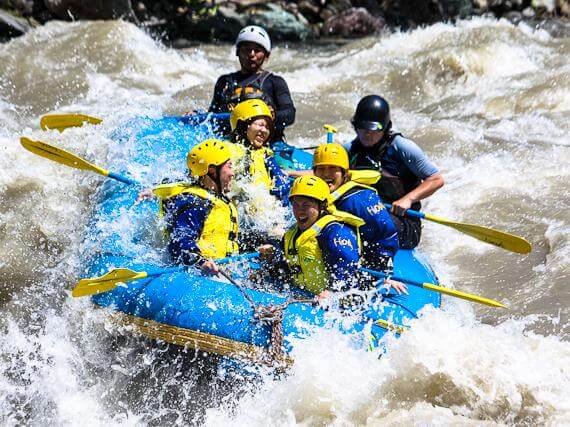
(273, 315)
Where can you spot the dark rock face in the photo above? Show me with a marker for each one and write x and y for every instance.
(91, 9)
(11, 26)
(183, 22)
(353, 22)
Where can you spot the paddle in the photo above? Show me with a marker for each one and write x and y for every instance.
(436, 288)
(331, 130)
(111, 280)
(58, 155)
(509, 242)
(64, 121)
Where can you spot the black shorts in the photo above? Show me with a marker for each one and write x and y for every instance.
(409, 231)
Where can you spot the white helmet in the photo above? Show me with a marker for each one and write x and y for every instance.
(254, 34)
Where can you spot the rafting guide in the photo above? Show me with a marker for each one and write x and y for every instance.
(408, 176)
(253, 48)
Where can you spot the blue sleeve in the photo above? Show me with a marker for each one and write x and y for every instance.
(339, 246)
(185, 217)
(414, 158)
(282, 184)
(379, 235)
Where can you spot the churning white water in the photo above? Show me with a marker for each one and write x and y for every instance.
(487, 100)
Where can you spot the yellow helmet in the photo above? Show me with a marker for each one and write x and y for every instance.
(211, 152)
(331, 155)
(310, 186)
(249, 109)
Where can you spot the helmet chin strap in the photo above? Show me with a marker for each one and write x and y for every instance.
(217, 179)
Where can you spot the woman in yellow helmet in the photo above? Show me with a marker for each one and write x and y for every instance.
(351, 192)
(200, 219)
(321, 251)
(252, 125)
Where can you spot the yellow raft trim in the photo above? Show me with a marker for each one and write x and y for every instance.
(195, 339)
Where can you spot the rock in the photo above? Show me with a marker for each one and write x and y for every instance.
(280, 24)
(453, 8)
(564, 7)
(338, 6)
(374, 7)
(310, 10)
(528, 13)
(11, 26)
(513, 16)
(91, 9)
(354, 22)
(181, 44)
(558, 28)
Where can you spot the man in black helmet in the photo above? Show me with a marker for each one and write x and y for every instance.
(408, 176)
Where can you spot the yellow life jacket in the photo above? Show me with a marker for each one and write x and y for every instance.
(358, 179)
(218, 238)
(252, 162)
(304, 255)
(364, 176)
(257, 168)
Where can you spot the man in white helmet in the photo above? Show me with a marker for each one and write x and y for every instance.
(253, 47)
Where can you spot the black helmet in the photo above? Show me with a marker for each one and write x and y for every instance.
(372, 113)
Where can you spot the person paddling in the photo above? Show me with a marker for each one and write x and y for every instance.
(200, 219)
(350, 193)
(253, 48)
(321, 251)
(408, 176)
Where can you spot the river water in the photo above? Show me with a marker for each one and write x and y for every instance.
(487, 100)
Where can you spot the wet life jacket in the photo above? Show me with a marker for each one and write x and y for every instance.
(304, 256)
(358, 179)
(390, 188)
(218, 238)
(250, 88)
(253, 161)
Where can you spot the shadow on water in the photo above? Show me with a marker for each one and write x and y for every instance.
(165, 384)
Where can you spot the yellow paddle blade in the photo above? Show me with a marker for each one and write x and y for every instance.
(64, 121)
(107, 282)
(58, 155)
(507, 241)
(463, 295)
(330, 128)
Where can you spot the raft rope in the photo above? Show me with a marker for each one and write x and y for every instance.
(272, 315)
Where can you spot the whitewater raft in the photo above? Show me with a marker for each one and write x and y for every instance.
(210, 314)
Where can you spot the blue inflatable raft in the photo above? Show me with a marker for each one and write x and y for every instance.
(210, 314)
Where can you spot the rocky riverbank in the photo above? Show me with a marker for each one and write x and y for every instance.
(183, 22)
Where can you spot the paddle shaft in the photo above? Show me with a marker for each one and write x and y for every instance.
(220, 261)
(122, 179)
(436, 288)
(409, 212)
(509, 242)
